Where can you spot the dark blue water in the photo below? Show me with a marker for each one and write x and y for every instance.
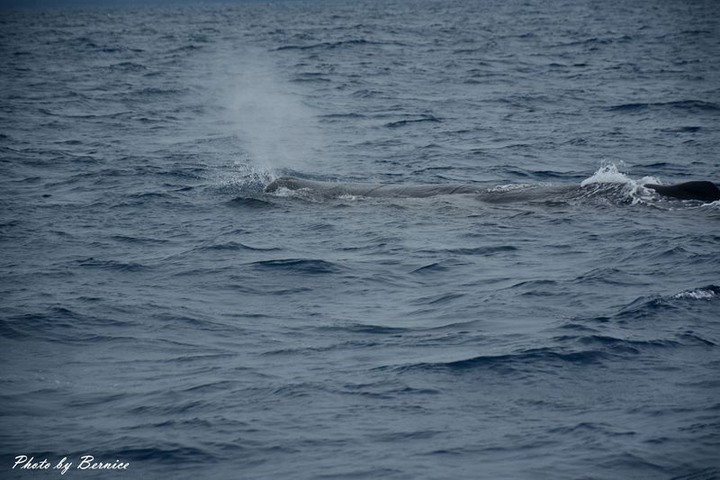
(159, 309)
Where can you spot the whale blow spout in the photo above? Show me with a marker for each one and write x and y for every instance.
(698, 190)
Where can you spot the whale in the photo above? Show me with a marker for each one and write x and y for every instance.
(331, 189)
(696, 190)
(704, 191)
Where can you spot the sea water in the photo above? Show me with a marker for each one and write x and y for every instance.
(158, 309)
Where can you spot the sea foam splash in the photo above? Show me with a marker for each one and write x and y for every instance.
(610, 173)
(245, 177)
(705, 293)
(634, 190)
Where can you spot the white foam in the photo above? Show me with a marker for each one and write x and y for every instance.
(348, 197)
(510, 187)
(699, 294)
(241, 176)
(285, 192)
(607, 173)
(634, 190)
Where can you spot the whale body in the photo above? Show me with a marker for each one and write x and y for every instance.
(696, 190)
(331, 189)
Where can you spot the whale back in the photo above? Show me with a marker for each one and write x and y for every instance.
(330, 189)
(696, 190)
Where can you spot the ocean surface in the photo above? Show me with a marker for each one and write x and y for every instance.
(158, 309)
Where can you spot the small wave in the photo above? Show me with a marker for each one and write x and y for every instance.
(483, 251)
(402, 123)
(689, 105)
(688, 129)
(617, 345)
(520, 361)
(299, 265)
(366, 93)
(365, 328)
(711, 473)
(681, 305)
(310, 77)
(644, 307)
(152, 91)
(430, 268)
(58, 324)
(236, 246)
(139, 240)
(349, 115)
(249, 202)
(148, 195)
(165, 455)
(439, 299)
(128, 67)
(327, 45)
(114, 265)
(185, 48)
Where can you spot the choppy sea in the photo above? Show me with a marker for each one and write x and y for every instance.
(158, 309)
